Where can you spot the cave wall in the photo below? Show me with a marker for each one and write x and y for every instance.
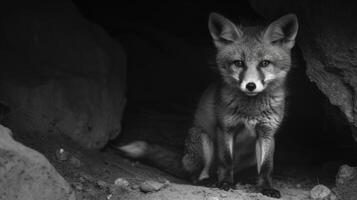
(60, 73)
(328, 39)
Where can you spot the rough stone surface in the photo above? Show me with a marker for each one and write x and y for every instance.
(211, 198)
(151, 186)
(60, 73)
(61, 154)
(346, 183)
(27, 175)
(320, 192)
(328, 39)
(345, 174)
(121, 182)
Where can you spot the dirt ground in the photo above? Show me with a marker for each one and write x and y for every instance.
(93, 173)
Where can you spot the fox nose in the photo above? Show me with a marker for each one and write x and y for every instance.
(250, 86)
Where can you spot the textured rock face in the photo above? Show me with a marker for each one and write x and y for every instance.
(328, 39)
(27, 175)
(60, 73)
(346, 183)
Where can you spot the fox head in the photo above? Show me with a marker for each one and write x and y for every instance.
(253, 59)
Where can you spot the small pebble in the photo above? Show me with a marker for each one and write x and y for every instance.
(320, 192)
(102, 184)
(116, 190)
(135, 186)
(333, 197)
(121, 182)
(166, 182)
(223, 195)
(61, 154)
(75, 161)
(150, 186)
(197, 192)
(212, 198)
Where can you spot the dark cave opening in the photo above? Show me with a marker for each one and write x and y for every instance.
(170, 62)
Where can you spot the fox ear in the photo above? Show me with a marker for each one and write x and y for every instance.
(283, 31)
(222, 30)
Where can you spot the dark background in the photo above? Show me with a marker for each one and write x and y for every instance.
(171, 61)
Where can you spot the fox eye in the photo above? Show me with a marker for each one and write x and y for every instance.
(238, 63)
(265, 63)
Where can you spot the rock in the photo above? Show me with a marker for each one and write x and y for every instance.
(211, 198)
(164, 181)
(334, 197)
(135, 186)
(197, 192)
(78, 186)
(75, 162)
(27, 175)
(102, 184)
(223, 195)
(150, 186)
(109, 196)
(121, 182)
(61, 73)
(61, 154)
(345, 173)
(320, 192)
(116, 190)
(329, 46)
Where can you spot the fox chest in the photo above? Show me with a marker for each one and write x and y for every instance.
(251, 115)
(247, 122)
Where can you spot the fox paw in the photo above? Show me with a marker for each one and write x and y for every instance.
(225, 186)
(207, 182)
(271, 192)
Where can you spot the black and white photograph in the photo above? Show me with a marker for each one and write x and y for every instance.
(178, 100)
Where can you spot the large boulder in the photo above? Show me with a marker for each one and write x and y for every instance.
(328, 40)
(26, 174)
(60, 73)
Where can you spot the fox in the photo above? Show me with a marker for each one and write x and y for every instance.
(238, 116)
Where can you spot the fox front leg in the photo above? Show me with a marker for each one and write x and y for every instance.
(265, 154)
(198, 157)
(225, 158)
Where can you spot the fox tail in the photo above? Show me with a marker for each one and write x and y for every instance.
(159, 156)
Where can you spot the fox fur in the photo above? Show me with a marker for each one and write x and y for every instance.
(238, 116)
